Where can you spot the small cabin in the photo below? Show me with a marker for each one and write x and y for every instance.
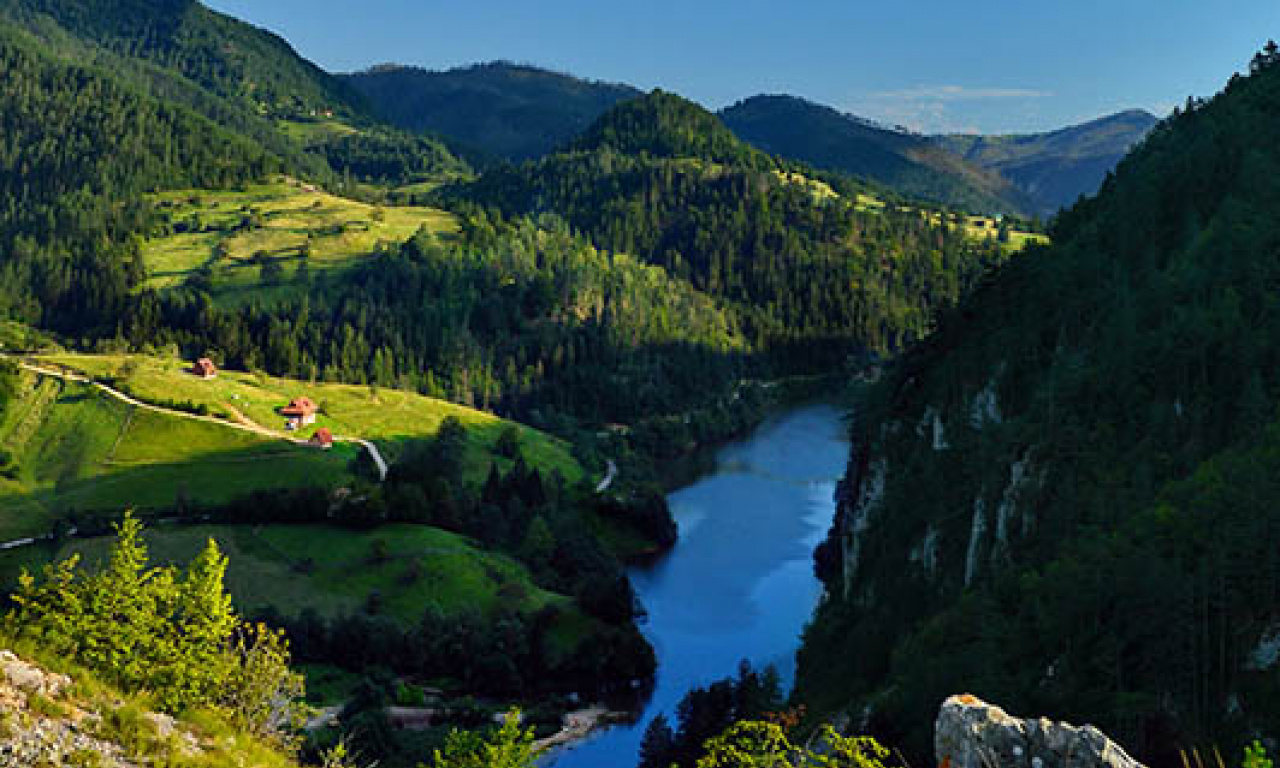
(204, 368)
(299, 411)
(323, 438)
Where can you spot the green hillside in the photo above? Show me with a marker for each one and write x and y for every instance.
(74, 449)
(91, 149)
(225, 56)
(662, 178)
(908, 164)
(333, 571)
(503, 110)
(271, 239)
(389, 417)
(1095, 530)
(664, 125)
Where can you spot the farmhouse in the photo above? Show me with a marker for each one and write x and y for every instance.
(323, 438)
(299, 411)
(204, 368)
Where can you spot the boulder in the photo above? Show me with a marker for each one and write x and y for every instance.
(973, 734)
(29, 678)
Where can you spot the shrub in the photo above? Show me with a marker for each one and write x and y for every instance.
(172, 633)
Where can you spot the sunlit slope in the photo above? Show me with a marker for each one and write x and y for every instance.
(272, 238)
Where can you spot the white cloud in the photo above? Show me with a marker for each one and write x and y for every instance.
(934, 108)
(949, 93)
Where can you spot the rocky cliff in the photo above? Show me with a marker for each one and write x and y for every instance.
(51, 719)
(973, 734)
(1063, 498)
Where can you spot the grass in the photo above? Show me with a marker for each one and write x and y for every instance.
(388, 417)
(77, 449)
(333, 571)
(294, 223)
(310, 133)
(122, 719)
(976, 227)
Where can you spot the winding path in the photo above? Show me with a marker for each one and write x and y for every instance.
(608, 477)
(243, 426)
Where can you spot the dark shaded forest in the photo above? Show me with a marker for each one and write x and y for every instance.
(1096, 538)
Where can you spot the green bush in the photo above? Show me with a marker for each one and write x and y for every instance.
(171, 633)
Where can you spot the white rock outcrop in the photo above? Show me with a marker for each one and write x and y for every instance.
(971, 733)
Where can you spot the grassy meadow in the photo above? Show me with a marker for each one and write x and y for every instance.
(73, 448)
(975, 226)
(251, 243)
(334, 571)
(389, 417)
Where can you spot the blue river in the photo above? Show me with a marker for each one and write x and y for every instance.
(739, 584)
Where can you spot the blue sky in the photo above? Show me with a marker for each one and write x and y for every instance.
(993, 67)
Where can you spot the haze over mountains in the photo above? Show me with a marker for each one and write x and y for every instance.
(1053, 169)
(519, 112)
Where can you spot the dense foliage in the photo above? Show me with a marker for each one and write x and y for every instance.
(525, 320)
(536, 521)
(77, 153)
(172, 633)
(509, 746)
(811, 275)
(1063, 500)
(706, 712)
(500, 109)
(907, 163)
(218, 53)
(388, 157)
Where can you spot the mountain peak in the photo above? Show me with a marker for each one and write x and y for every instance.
(514, 111)
(663, 124)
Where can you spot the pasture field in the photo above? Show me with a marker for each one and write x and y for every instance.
(388, 417)
(73, 448)
(274, 239)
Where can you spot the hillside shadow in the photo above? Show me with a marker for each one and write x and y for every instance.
(204, 478)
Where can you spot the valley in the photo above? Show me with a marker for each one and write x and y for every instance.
(413, 416)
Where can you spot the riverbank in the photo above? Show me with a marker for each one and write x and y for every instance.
(784, 394)
(739, 582)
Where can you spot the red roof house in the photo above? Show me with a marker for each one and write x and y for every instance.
(204, 368)
(300, 410)
(323, 438)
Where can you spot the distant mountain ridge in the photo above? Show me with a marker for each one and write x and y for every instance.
(1054, 169)
(520, 112)
(913, 165)
(511, 111)
(1029, 173)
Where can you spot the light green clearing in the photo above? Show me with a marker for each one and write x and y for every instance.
(335, 571)
(78, 449)
(290, 217)
(386, 416)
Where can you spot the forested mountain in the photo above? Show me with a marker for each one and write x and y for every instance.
(1054, 169)
(223, 55)
(78, 151)
(510, 111)
(910, 164)
(1030, 174)
(246, 80)
(802, 264)
(1065, 498)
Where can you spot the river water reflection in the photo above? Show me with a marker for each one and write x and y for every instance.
(739, 584)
